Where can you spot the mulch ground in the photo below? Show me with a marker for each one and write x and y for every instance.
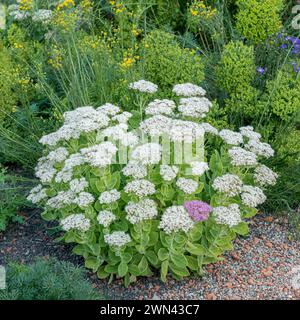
(262, 266)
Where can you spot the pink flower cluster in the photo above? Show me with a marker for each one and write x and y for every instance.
(198, 210)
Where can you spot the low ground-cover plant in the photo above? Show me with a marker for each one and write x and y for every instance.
(154, 211)
(47, 280)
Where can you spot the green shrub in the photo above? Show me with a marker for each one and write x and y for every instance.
(257, 20)
(8, 81)
(281, 96)
(165, 62)
(286, 194)
(47, 280)
(289, 147)
(236, 67)
(235, 74)
(168, 12)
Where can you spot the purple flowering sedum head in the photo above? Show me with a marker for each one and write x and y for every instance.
(198, 210)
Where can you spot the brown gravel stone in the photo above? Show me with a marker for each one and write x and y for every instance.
(210, 296)
(229, 285)
(269, 244)
(267, 273)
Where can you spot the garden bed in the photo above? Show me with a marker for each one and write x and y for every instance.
(258, 268)
(158, 141)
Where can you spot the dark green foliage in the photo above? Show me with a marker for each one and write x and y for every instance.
(282, 95)
(47, 280)
(12, 198)
(235, 75)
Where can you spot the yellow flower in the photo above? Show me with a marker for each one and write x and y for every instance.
(65, 4)
(24, 82)
(26, 5)
(135, 32)
(18, 45)
(194, 12)
(127, 62)
(86, 4)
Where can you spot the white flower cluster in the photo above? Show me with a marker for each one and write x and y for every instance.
(242, 157)
(99, 155)
(177, 130)
(105, 218)
(188, 90)
(66, 173)
(249, 133)
(157, 107)
(45, 170)
(198, 168)
(122, 117)
(117, 239)
(209, 128)
(37, 194)
(64, 198)
(109, 109)
(230, 215)
(119, 132)
(252, 196)
(167, 172)
(188, 186)
(265, 176)
(135, 169)
(156, 126)
(231, 137)
(185, 131)
(75, 222)
(140, 187)
(145, 209)
(194, 107)
(261, 149)
(109, 196)
(147, 154)
(229, 184)
(83, 119)
(42, 15)
(144, 86)
(78, 185)
(84, 199)
(14, 11)
(175, 219)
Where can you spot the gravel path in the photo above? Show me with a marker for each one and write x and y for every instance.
(260, 267)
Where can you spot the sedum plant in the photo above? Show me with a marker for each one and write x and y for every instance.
(154, 210)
